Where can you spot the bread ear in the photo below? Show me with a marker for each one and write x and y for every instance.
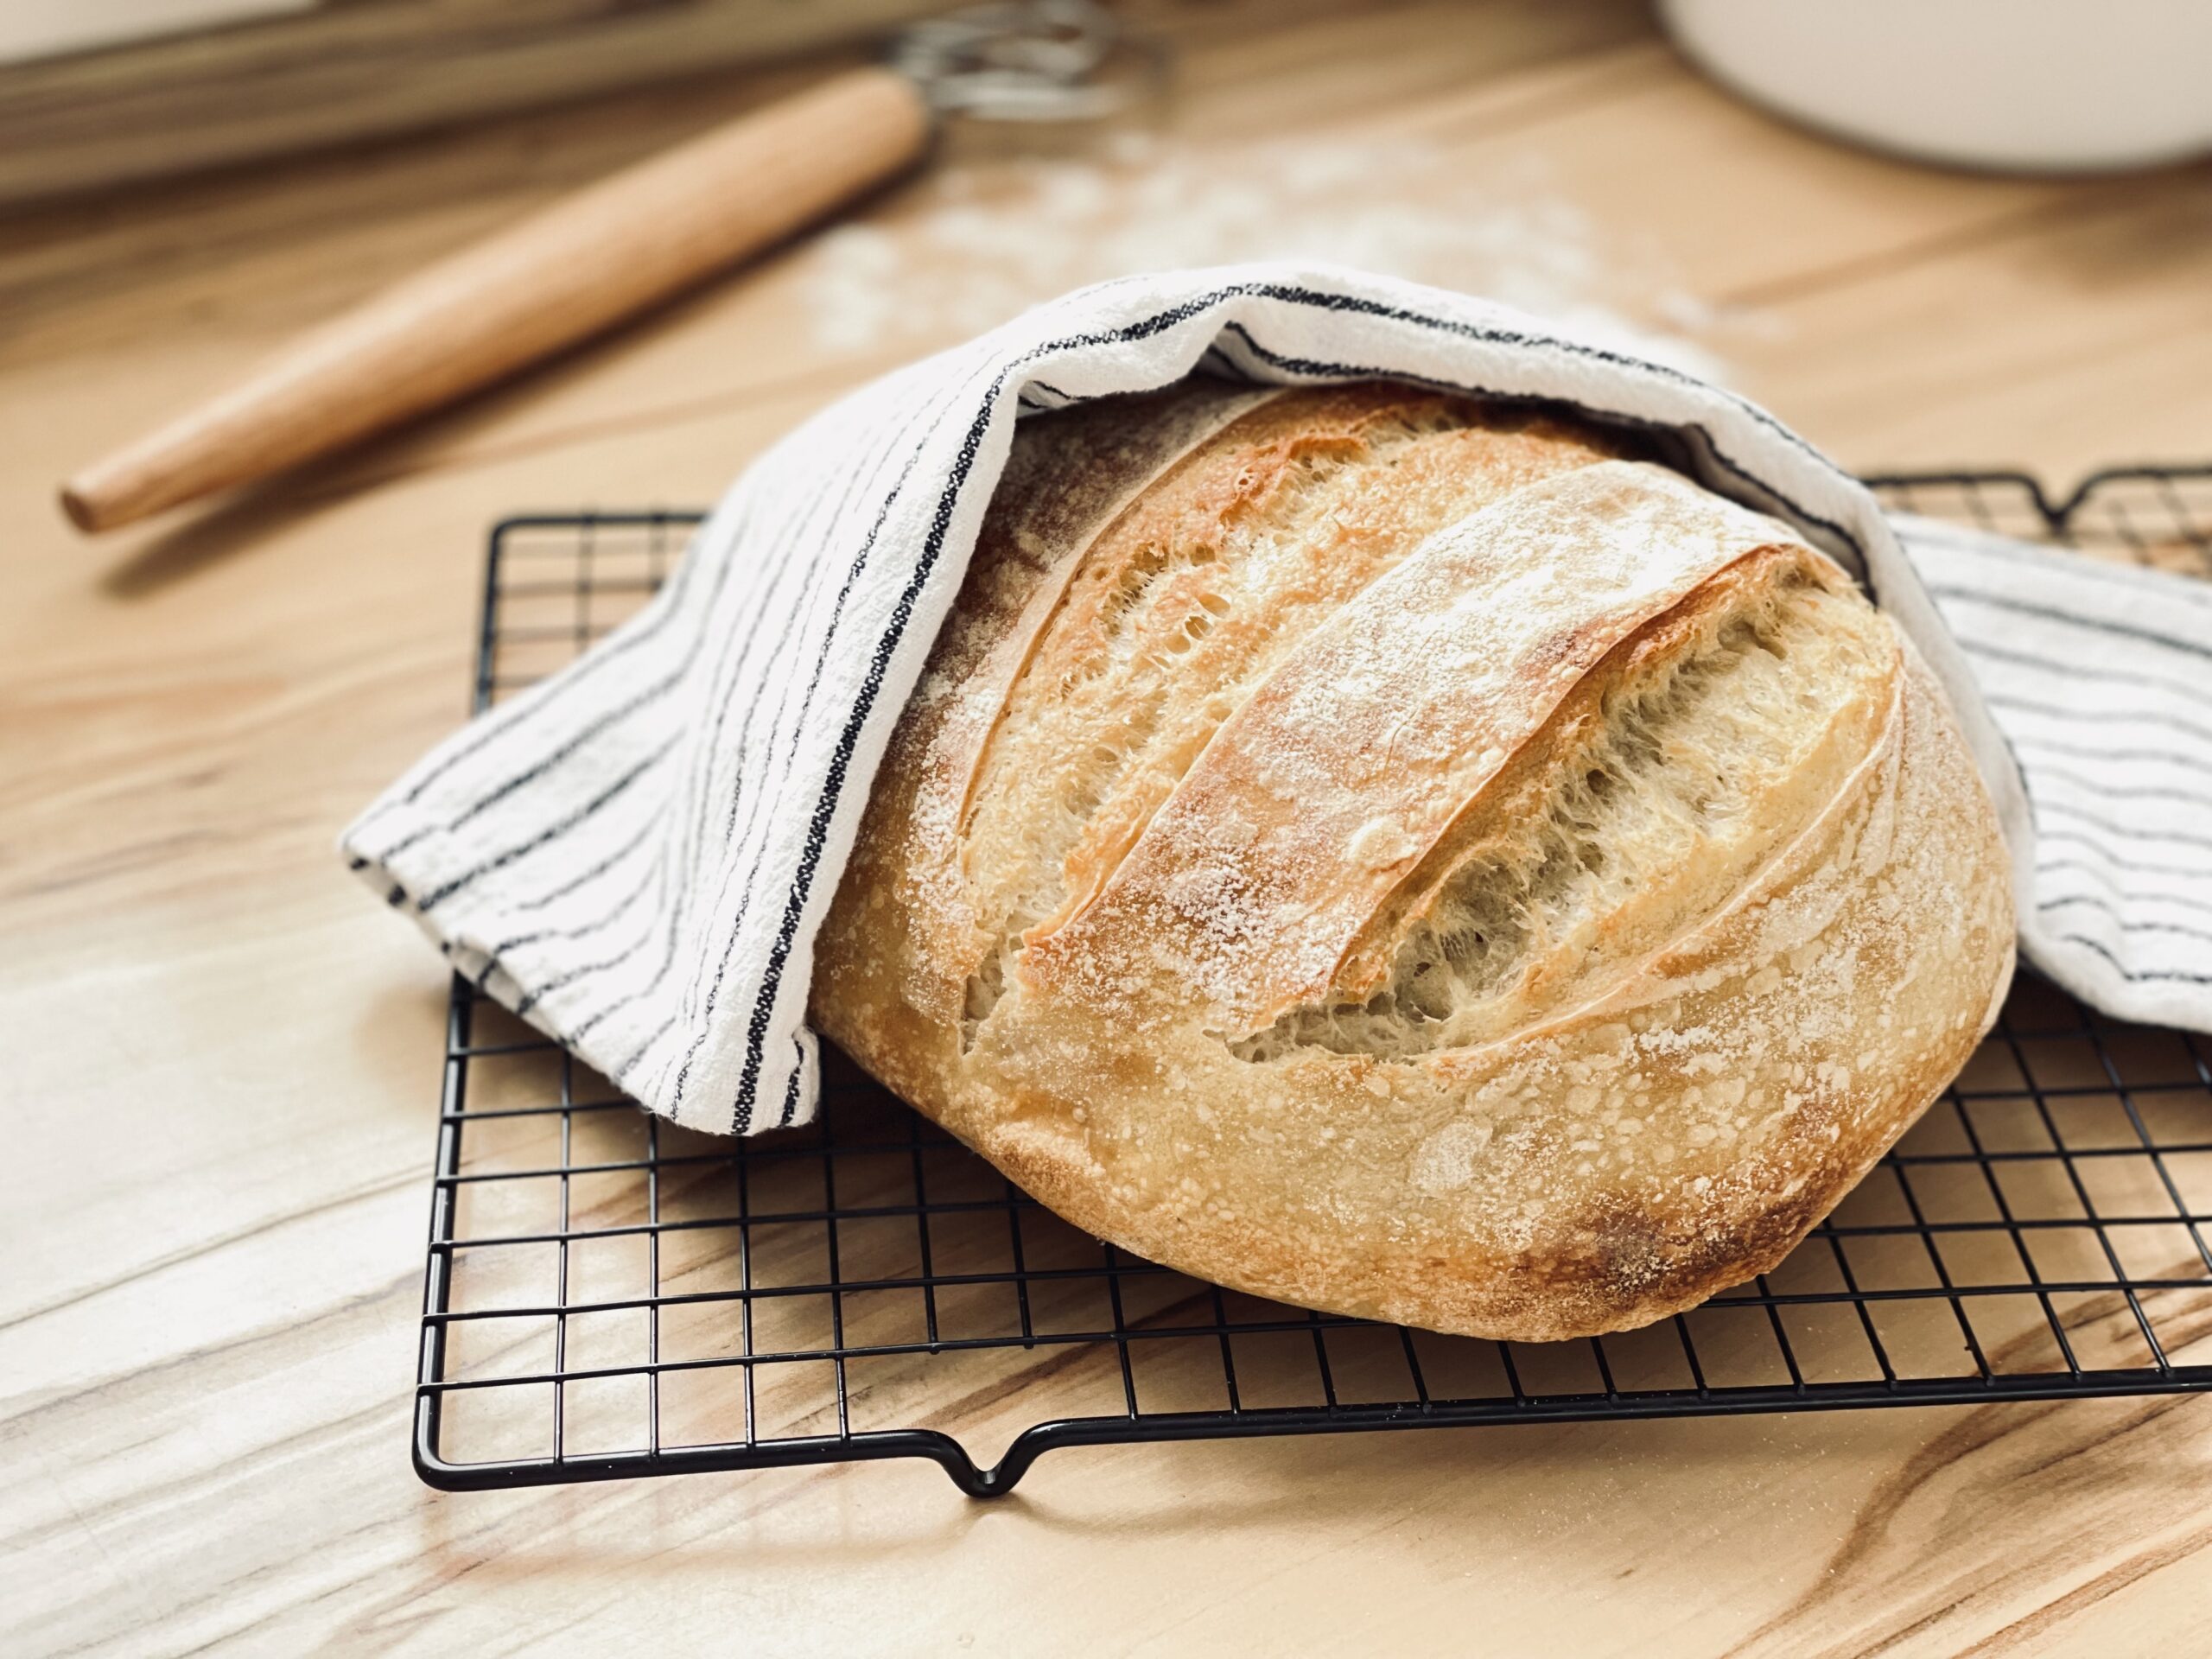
(1647, 802)
(1152, 629)
(1320, 825)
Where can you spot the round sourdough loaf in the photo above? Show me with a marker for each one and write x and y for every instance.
(1408, 857)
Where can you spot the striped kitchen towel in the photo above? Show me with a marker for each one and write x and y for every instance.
(634, 853)
(2100, 678)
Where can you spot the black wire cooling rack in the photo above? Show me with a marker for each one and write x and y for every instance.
(610, 1296)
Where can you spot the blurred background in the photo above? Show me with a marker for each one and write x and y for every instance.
(1892, 221)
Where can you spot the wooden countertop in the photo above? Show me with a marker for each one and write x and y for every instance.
(222, 1060)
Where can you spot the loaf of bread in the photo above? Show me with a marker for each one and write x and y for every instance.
(1413, 858)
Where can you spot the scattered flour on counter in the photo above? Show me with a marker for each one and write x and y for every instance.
(982, 249)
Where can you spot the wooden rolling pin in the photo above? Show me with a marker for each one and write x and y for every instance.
(591, 259)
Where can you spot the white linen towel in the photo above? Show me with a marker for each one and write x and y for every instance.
(2100, 678)
(634, 853)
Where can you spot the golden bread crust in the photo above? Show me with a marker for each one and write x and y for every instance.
(1392, 855)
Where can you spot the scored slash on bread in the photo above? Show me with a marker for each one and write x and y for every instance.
(1409, 857)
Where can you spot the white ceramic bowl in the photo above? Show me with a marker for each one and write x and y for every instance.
(2024, 85)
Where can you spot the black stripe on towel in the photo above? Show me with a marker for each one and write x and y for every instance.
(2064, 668)
(2124, 831)
(689, 810)
(2106, 789)
(2096, 716)
(513, 716)
(553, 831)
(2138, 866)
(2125, 924)
(2104, 877)
(2092, 624)
(2131, 977)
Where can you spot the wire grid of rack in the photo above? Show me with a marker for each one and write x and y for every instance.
(610, 1296)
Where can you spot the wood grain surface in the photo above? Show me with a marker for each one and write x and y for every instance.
(344, 70)
(221, 1059)
(597, 255)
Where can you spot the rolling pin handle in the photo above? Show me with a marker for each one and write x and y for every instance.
(565, 273)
